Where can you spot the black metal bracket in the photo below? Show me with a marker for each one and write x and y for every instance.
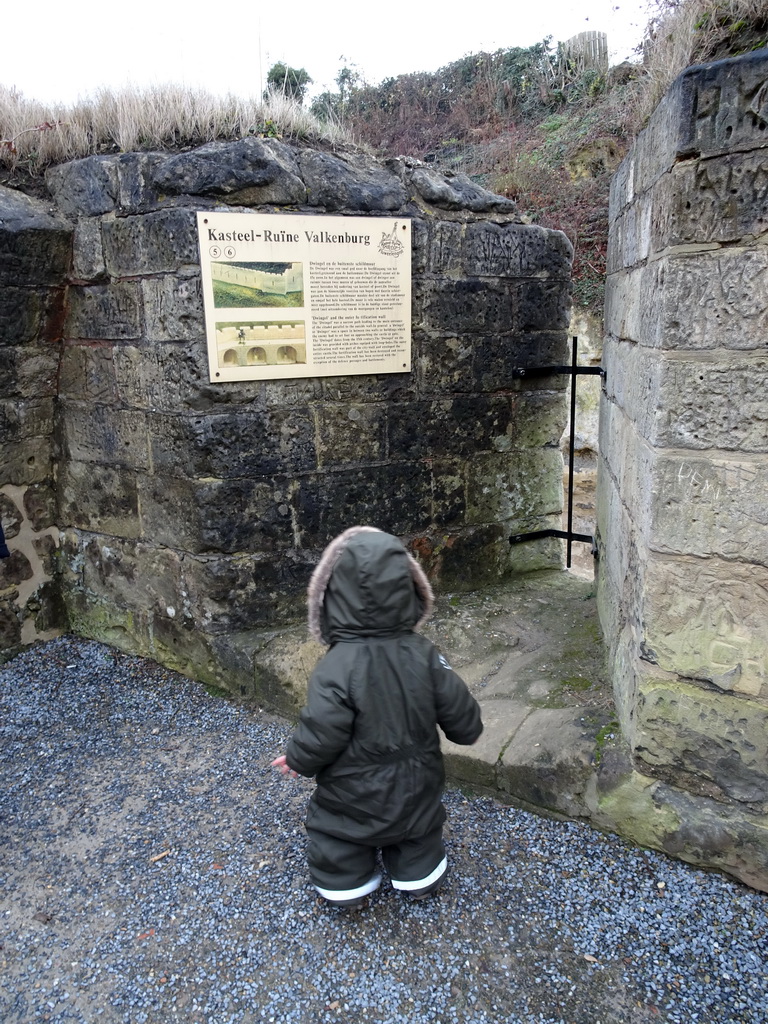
(573, 371)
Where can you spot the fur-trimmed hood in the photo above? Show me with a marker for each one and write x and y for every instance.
(366, 584)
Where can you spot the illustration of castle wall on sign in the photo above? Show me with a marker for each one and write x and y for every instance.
(261, 279)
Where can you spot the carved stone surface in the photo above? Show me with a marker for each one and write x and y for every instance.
(719, 200)
(725, 107)
(107, 311)
(683, 481)
(705, 619)
(712, 508)
(173, 308)
(85, 187)
(712, 737)
(696, 300)
(682, 401)
(154, 243)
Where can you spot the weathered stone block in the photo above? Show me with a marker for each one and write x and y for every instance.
(495, 360)
(558, 775)
(490, 249)
(11, 515)
(631, 237)
(115, 437)
(657, 146)
(679, 402)
(436, 246)
(455, 192)
(137, 189)
(689, 736)
(398, 496)
(705, 619)
(40, 505)
(364, 387)
(540, 420)
(476, 764)
(217, 515)
(87, 374)
(173, 309)
(14, 570)
(449, 485)
(35, 244)
(624, 308)
(351, 433)
(249, 172)
(234, 444)
(708, 301)
(448, 556)
(350, 182)
(107, 311)
(123, 626)
(518, 485)
(444, 365)
(622, 190)
(130, 575)
(49, 609)
(22, 314)
(155, 243)
(719, 200)
(29, 463)
(101, 499)
(88, 251)
(514, 251)
(489, 306)
(619, 576)
(281, 666)
(630, 461)
(168, 377)
(246, 592)
(723, 106)
(711, 507)
(29, 372)
(45, 548)
(85, 187)
(460, 425)
(10, 624)
(29, 418)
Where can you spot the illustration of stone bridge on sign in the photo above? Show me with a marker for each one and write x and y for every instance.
(266, 343)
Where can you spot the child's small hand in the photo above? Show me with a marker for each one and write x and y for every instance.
(282, 764)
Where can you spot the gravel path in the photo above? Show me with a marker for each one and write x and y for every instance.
(152, 871)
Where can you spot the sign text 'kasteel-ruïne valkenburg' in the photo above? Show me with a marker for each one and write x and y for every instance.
(286, 297)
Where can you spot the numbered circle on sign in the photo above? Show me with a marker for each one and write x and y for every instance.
(229, 252)
(214, 252)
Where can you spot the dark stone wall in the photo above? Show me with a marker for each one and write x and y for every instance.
(35, 252)
(191, 513)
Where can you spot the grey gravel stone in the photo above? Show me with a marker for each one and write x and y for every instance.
(153, 870)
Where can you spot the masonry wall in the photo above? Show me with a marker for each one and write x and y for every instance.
(683, 482)
(191, 514)
(35, 252)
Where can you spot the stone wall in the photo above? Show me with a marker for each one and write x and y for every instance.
(35, 250)
(191, 513)
(683, 483)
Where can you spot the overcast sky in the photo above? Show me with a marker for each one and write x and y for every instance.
(58, 50)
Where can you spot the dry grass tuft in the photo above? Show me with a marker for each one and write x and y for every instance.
(688, 32)
(36, 135)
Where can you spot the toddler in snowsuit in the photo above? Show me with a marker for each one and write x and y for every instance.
(369, 729)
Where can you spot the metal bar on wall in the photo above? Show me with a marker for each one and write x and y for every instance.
(573, 371)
